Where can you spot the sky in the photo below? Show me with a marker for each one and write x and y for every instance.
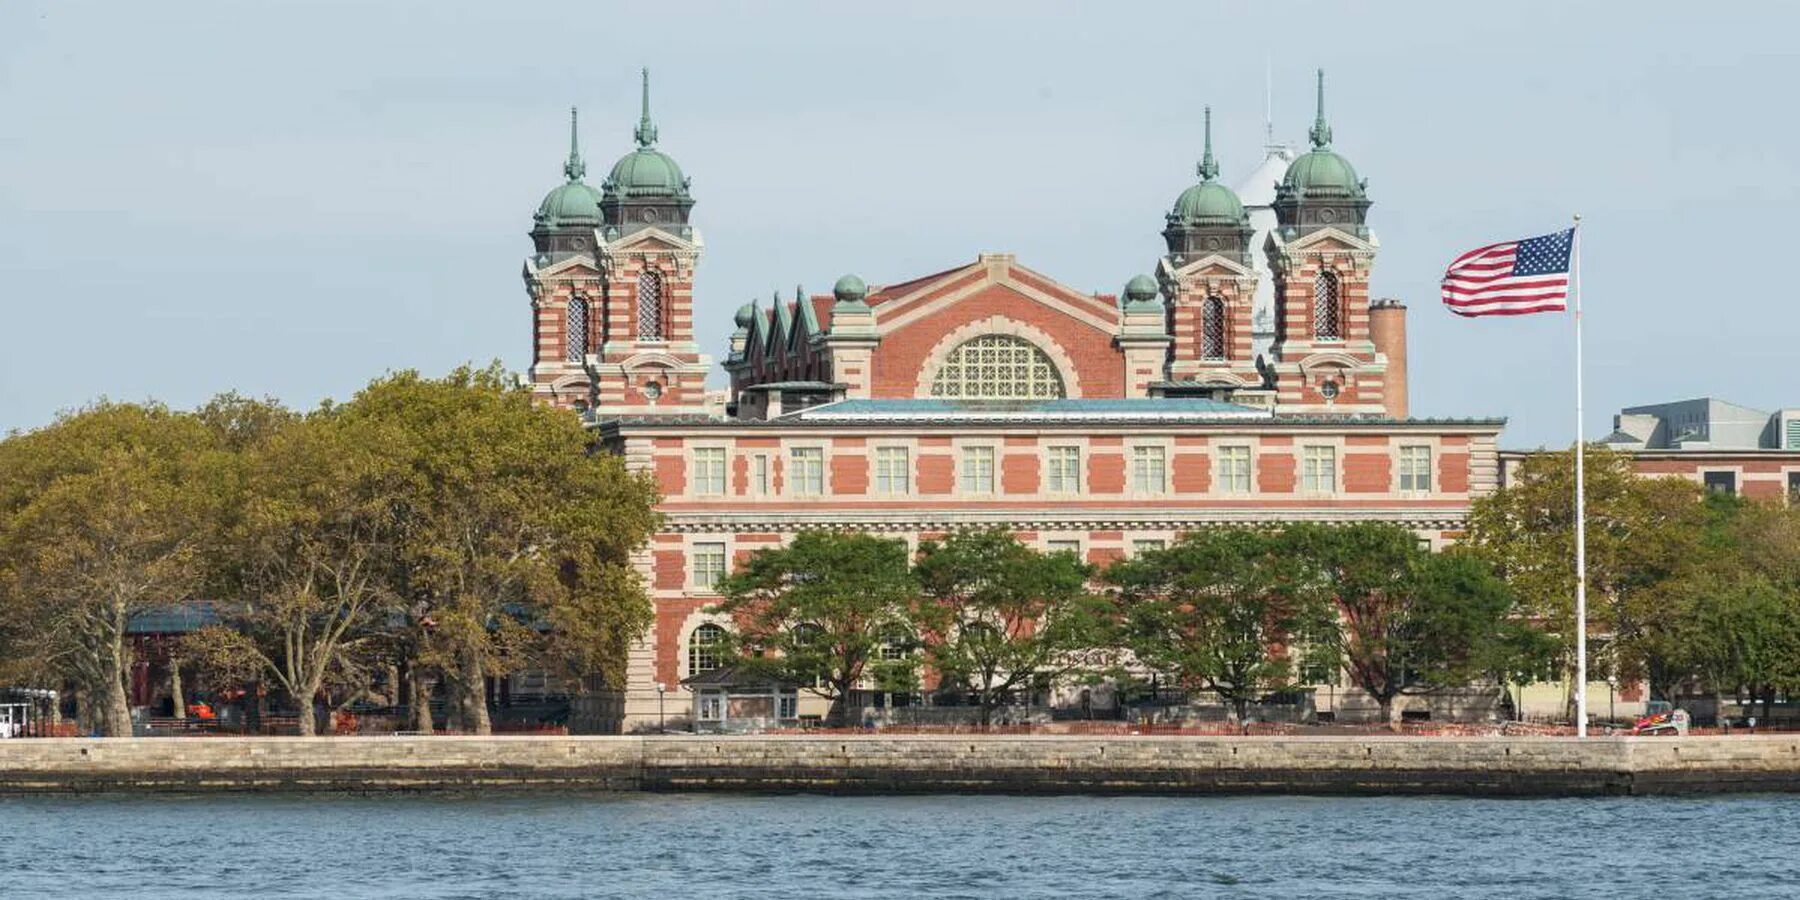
(290, 198)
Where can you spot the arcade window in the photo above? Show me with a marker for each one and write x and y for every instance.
(1326, 308)
(703, 648)
(997, 367)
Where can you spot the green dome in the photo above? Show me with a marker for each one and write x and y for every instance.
(646, 172)
(1208, 203)
(746, 314)
(1321, 173)
(850, 289)
(573, 203)
(1140, 291)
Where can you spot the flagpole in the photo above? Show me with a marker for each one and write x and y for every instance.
(1581, 679)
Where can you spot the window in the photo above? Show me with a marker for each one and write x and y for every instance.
(806, 475)
(703, 648)
(712, 706)
(1147, 545)
(709, 470)
(1325, 307)
(759, 474)
(1319, 470)
(1234, 470)
(576, 338)
(997, 367)
(1064, 470)
(978, 470)
(1063, 546)
(709, 565)
(1415, 468)
(1793, 491)
(893, 471)
(1720, 482)
(1149, 470)
(787, 706)
(650, 306)
(1212, 328)
(895, 647)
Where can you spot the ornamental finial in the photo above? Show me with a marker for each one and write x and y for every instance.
(574, 168)
(646, 130)
(1321, 132)
(1209, 167)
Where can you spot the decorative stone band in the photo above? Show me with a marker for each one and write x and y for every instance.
(915, 520)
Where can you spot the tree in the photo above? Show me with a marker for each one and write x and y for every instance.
(1408, 620)
(1641, 532)
(102, 515)
(820, 610)
(1002, 615)
(304, 560)
(512, 538)
(1212, 608)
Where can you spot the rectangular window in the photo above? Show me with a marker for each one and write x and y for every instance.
(1063, 547)
(789, 705)
(709, 470)
(709, 565)
(1146, 545)
(1793, 493)
(712, 706)
(893, 471)
(806, 471)
(1149, 470)
(1234, 470)
(1063, 475)
(1415, 469)
(759, 474)
(1319, 471)
(1720, 482)
(978, 470)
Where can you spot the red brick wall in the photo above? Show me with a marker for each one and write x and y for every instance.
(1099, 366)
(1367, 473)
(937, 473)
(1019, 473)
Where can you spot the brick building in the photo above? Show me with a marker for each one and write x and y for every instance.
(1250, 379)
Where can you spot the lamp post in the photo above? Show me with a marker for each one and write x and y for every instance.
(660, 690)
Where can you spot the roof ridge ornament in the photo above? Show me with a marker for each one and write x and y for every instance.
(574, 168)
(1209, 167)
(646, 129)
(1321, 132)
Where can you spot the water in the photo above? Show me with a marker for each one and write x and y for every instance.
(802, 848)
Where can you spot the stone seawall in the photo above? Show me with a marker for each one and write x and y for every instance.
(947, 764)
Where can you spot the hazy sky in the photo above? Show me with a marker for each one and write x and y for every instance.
(289, 198)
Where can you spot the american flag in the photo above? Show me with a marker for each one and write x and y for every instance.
(1511, 278)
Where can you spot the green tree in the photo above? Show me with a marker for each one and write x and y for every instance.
(1408, 620)
(102, 516)
(513, 537)
(1210, 610)
(818, 612)
(1641, 532)
(1002, 616)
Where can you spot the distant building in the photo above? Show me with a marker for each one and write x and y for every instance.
(1250, 379)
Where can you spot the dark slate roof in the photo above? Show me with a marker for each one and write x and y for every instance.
(797, 386)
(178, 619)
(1032, 410)
(734, 676)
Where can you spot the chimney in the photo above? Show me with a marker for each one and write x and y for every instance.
(1387, 328)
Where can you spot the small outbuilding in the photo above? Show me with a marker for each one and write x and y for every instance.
(736, 699)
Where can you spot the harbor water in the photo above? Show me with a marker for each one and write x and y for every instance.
(805, 847)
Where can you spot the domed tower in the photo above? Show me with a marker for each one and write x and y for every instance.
(645, 359)
(562, 278)
(1210, 278)
(1323, 359)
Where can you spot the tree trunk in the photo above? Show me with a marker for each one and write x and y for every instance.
(176, 698)
(421, 702)
(115, 706)
(1388, 713)
(84, 711)
(471, 695)
(306, 719)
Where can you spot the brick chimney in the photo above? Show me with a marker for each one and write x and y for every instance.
(1387, 328)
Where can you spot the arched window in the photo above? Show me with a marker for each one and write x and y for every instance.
(1212, 328)
(703, 648)
(997, 367)
(576, 338)
(650, 306)
(1326, 314)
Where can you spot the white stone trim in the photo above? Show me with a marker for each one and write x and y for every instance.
(940, 352)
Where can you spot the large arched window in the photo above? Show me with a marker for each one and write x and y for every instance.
(576, 338)
(1326, 310)
(997, 367)
(1212, 328)
(650, 306)
(703, 648)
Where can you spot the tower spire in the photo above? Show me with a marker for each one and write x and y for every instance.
(1321, 132)
(646, 129)
(574, 168)
(1209, 167)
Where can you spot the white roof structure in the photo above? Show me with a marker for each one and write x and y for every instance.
(1257, 192)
